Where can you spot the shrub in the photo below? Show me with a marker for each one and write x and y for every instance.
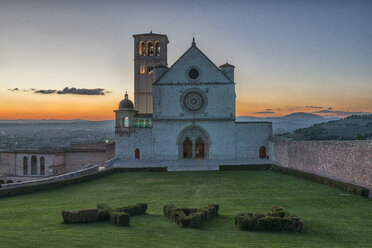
(190, 217)
(167, 209)
(80, 216)
(138, 209)
(114, 217)
(122, 219)
(104, 212)
(278, 220)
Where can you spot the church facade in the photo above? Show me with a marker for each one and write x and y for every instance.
(183, 117)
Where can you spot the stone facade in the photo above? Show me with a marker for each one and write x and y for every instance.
(193, 119)
(20, 166)
(348, 161)
(146, 57)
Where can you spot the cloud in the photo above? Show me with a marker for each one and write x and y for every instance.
(314, 107)
(66, 91)
(74, 91)
(45, 92)
(265, 112)
(340, 113)
(268, 109)
(22, 90)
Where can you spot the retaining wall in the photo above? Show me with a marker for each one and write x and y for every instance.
(347, 161)
(75, 174)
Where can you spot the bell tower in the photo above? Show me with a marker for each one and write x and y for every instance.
(149, 50)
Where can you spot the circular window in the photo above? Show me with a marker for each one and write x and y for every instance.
(193, 100)
(193, 73)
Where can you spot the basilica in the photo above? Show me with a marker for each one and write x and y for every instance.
(183, 116)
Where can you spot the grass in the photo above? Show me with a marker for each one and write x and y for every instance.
(330, 219)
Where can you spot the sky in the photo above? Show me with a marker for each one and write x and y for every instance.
(289, 56)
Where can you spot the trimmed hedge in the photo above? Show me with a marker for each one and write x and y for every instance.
(277, 220)
(359, 190)
(133, 210)
(190, 217)
(119, 218)
(122, 219)
(26, 189)
(80, 216)
(103, 212)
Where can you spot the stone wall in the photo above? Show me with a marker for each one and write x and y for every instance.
(348, 161)
(57, 160)
(77, 160)
(48, 158)
(75, 174)
(127, 143)
(7, 163)
(250, 136)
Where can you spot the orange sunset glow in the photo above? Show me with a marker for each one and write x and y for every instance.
(285, 61)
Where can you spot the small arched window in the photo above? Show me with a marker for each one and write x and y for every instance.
(33, 165)
(262, 152)
(126, 121)
(122, 121)
(42, 166)
(142, 48)
(137, 154)
(157, 48)
(2, 181)
(25, 166)
(150, 48)
(9, 181)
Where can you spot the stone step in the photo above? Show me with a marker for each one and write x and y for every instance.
(208, 167)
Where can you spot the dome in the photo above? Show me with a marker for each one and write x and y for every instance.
(126, 103)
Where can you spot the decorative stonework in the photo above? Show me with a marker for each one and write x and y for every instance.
(193, 101)
(193, 73)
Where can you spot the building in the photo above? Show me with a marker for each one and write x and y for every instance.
(191, 123)
(27, 165)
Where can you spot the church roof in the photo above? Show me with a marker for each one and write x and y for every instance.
(193, 46)
(151, 34)
(126, 103)
(227, 65)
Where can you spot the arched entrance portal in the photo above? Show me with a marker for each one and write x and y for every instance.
(193, 143)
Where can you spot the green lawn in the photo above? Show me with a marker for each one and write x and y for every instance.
(330, 219)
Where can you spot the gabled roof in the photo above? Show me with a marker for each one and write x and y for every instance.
(227, 65)
(193, 46)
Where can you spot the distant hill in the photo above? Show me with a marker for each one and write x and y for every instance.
(350, 128)
(289, 123)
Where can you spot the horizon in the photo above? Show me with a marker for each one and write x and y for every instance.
(263, 117)
(67, 60)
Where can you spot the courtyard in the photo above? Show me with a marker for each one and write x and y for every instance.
(332, 218)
